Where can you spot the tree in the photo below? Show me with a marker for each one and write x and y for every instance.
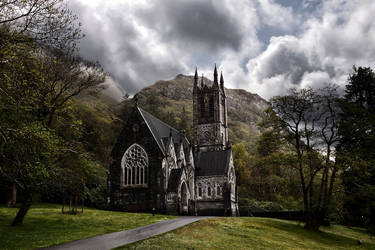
(37, 84)
(311, 121)
(357, 129)
(50, 22)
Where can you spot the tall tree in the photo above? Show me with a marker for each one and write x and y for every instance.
(357, 148)
(311, 119)
(36, 87)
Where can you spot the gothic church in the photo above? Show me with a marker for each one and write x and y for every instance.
(155, 166)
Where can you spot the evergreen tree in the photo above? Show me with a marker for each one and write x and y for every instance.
(357, 148)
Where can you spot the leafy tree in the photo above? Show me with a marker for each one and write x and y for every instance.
(50, 22)
(36, 88)
(311, 119)
(357, 129)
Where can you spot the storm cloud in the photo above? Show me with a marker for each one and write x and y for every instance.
(264, 46)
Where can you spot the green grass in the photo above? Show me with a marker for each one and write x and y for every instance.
(44, 225)
(256, 233)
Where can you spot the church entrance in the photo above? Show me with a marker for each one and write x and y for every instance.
(184, 205)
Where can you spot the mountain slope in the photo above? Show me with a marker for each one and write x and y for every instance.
(171, 101)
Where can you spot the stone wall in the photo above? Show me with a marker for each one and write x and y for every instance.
(211, 198)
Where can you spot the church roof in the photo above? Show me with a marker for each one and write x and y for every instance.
(174, 179)
(213, 163)
(160, 130)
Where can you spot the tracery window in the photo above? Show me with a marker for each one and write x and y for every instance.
(208, 191)
(218, 190)
(199, 190)
(134, 165)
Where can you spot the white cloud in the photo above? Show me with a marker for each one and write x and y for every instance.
(273, 14)
(324, 52)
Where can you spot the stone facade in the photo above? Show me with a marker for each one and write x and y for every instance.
(155, 166)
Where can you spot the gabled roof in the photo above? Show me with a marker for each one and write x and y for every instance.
(213, 163)
(174, 179)
(160, 130)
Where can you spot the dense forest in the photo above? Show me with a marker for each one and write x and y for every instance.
(309, 150)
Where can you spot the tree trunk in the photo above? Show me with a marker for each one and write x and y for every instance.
(25, 206)
(63, 205)
(13, 196)
(312, 222)
(75, 204)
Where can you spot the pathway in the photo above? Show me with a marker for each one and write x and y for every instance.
(112, 240)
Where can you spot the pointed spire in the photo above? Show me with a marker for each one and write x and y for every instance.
(196, 76)
(202, 82)
(215, 85)
(222, 82)
(215, 74)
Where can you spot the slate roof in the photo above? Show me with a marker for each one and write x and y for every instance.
(213, 163)
(160, 130)
(174, 179)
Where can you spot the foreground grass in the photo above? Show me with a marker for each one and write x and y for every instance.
(44, 225)
(256, 233)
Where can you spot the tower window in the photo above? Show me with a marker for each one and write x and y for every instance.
(209, 191)
(212, 106)
(134, 166)
(200, 191)
(218, 191)
(202, 106)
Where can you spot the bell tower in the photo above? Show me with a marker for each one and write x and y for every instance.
(210, 114)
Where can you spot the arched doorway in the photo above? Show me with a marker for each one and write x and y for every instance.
(184, 205)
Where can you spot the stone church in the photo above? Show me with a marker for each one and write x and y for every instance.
(154, 166)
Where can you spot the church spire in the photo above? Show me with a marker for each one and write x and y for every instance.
(215, 75)
(222, 83)
(202, 82)
(195, 80)
(196, 77)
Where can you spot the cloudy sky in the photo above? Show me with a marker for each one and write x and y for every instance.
(263, 46)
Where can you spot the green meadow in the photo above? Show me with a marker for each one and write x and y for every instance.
(45, 225)
(256, 233)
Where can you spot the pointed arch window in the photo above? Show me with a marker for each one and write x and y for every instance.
(212, 106)
(134, 166)
(202, 107)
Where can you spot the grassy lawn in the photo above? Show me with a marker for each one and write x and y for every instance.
(44, 225)
(256, 233)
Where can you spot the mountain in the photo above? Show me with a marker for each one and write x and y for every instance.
(171, 101)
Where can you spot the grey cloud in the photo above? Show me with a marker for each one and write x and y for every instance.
(283, 57)
(184, 29)
(115, 43)
(194, 24)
